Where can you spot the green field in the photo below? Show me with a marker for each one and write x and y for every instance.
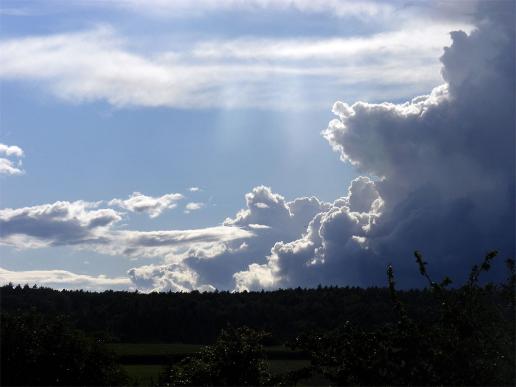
(143, 374)
(164, 349)
(147, 374)
(283, 359)
(153, 349)
(286, 365)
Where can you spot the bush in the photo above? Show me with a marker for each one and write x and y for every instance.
(467, 339)
(236, 359)
(39, 350)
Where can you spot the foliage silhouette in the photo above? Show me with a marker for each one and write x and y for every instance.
(467, 339)
(434, 336)
(198, 318)
(237, 358)
(40, 351)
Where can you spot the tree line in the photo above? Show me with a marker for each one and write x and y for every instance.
(198, 318)
(439, 335)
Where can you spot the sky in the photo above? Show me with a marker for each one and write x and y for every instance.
(245, 145)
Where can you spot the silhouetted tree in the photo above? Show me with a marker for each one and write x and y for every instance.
(236, 359)
(436, 335)
(37, 350)
(467, 338)
(199, 317)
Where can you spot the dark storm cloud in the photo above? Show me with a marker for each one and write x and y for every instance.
(445, 172)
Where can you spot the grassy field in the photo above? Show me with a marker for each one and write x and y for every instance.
(143, 374)
(147, 374)
(164, 349)
(153, 349)
(281, 359)
(286, 365)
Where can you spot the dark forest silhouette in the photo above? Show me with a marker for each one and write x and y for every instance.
(352, 336)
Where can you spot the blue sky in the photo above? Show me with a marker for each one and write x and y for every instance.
(108, 98)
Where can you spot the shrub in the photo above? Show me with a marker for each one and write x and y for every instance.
(39, 350)
(466, 339)
(236, 359)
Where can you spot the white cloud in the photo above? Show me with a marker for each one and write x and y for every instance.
(248, 72)
(193, 206)
(7, 166)
(270, 209)
(291, 263)
(269, 217)
(256, 277)
(62, 279)
(84, 225)
(59, 223)
(194, 189)
(172, 277)
(425, 42)
(12, 150)
(206, 258)
(154, 206)
(172, 245)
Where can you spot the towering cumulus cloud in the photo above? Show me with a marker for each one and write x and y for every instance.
(268, 217)
(441, 174)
